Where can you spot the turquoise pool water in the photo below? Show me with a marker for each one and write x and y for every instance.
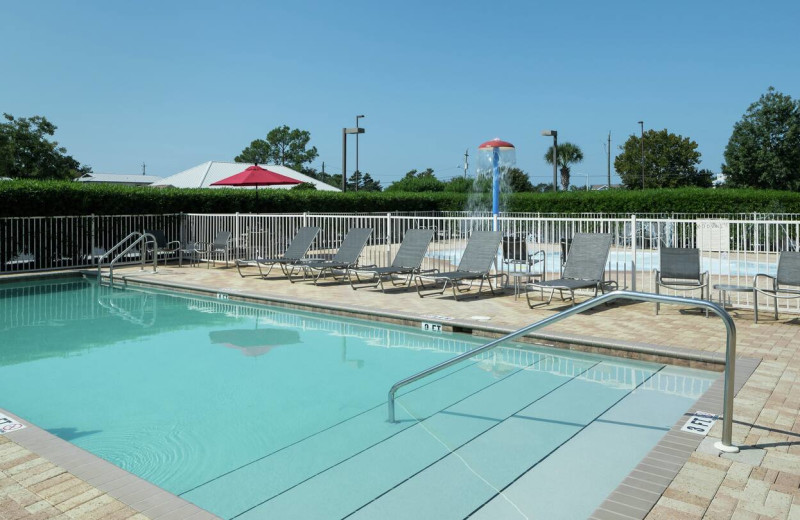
(259, 412)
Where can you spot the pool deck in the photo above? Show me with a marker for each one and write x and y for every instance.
(761, 482)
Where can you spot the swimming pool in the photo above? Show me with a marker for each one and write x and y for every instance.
(258, 412)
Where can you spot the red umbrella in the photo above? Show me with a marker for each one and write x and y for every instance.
(256, 176)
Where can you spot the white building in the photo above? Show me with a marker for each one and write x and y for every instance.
(203, 175)
(124, 180)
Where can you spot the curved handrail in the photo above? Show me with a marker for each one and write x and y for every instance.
(142, 237)
(730, 349)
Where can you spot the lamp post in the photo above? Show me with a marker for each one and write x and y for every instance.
(548, 133)
(346, 131)
(358, 173)
(641, 124)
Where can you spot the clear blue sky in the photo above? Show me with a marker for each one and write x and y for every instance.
(177, 83)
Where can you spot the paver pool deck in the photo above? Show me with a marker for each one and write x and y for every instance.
(761, 482)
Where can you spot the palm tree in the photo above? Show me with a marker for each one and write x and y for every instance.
(568, 154)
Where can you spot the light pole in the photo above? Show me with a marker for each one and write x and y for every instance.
(548, 133)
(641, 124)
(357, 132)
(346, 131)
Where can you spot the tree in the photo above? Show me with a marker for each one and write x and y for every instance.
(364, 182)
(518, 180)
(542, 187)
(764, 148)
(459, 185)
(670, 161)
(25, 151)
(282, 146)
(567, 155)
(417, 181)
(327, 178)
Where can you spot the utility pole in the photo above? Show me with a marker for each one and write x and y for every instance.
(641, 123)
(609, 159)
(344, 159)
(466, 162)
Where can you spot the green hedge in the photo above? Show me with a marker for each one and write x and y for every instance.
(49, 198)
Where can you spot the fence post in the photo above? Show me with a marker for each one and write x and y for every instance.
(389, 238)
(305, 219)
(633, 248)
(94, 241)
(238, 240)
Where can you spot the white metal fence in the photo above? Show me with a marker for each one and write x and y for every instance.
(733, 248)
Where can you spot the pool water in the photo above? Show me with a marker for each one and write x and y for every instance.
(258, 412)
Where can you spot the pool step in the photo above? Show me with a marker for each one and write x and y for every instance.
(450, 464)
(369, 433)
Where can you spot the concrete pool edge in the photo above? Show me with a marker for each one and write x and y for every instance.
(640, 351)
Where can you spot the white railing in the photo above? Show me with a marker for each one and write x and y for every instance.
(733, 249)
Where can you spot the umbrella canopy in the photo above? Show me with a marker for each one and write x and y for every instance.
(254, 342)
(256, 176)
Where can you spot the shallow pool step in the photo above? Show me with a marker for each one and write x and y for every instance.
(560, 487)
(488, 430)
(258, 482)
(478, 470)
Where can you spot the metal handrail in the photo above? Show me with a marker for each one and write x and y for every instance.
(730, 349)
(142, 237)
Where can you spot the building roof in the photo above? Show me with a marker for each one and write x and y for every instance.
(202, 175)
(113, 178)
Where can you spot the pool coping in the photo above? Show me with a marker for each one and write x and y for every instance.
(633, 498)
(135, 492)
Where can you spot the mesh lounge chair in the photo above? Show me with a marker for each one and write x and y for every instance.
(346, 257)
(788, 274)
(477, 259)
(680, 271)
(161, 247)
(294, 254)
(406, 262)
(584, 268)
(221, 246)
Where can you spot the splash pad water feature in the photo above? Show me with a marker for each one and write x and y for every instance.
(495, 157)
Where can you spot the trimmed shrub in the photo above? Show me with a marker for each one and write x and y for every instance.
(52, 198)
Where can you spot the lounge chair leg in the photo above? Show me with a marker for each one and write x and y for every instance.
(657, 304)
(755, 307)
(776, 309)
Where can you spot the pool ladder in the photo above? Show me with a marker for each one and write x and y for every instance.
(141, 240)
(730, 349)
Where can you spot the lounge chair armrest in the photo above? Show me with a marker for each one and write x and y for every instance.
(762, 275)
(537, 256)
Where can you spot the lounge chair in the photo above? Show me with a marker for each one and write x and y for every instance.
(679, 270)
(221, 246)
(294, 254)
(788, 275)
(476, 261)
(161, 247)
(517, 252)
(583, 269)
(346, 257)
(406, 262)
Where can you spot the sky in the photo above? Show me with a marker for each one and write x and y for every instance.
(173, 84)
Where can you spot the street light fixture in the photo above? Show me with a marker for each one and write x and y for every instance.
(554, 133)
(641, 124)
(357, 132)
(346, 131)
